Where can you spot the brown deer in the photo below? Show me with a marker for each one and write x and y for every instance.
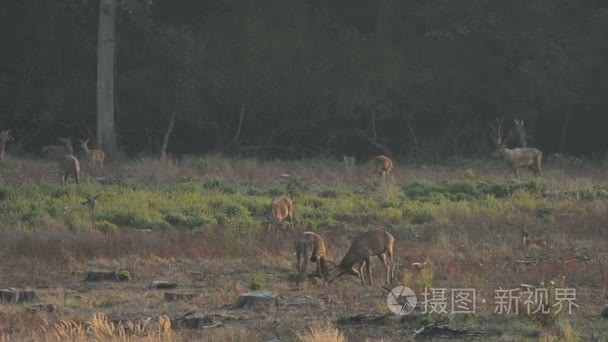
(310, 246)
(516, 158)
(94, 156)
(376, 242)
(54, 152)
(383, 165)
(70, 166)
(281, 209)
(533, 243)
(4, 137)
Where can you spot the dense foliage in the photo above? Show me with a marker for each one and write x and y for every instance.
(413, 78)
(218, 208)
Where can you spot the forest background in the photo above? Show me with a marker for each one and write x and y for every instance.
(415, 79)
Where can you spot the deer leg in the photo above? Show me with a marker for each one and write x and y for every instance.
(305, 265)
(368, 268)
(320, 269)
(299, 264)
(384, 260)
(361, 264)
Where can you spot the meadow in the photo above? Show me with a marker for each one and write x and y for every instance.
(201, 222)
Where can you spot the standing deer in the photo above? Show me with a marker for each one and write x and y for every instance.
(383, 166)
(54, 152)
(70, 166)
(310, 246)
(516, 158)
(535, 243)
(376, 242)
(4, 137)
(281, 209)
(94, 156)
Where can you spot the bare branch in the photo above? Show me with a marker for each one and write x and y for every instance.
(375, 143)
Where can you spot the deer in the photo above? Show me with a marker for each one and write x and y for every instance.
(94, 156)
(516, 158)
(375, 242)
(54, 152)
(70, 166)
(310, 246)
(4, 137)
(349, 161)
(533, 243)
(281, 209)
(383, 166)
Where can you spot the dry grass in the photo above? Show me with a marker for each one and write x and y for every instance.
(327, 333)
(98, 328)
(463, 246)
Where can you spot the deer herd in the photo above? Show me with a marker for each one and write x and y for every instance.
(310, 246)
(64, 155)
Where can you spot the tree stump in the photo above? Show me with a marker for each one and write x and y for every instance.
(108, 276)
(255, 298)
(17, 296)
(172, 296)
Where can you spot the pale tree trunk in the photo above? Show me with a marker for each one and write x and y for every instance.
(384, 22)
(564, 133)
(163, 149)
(106, 133)
(521, 133)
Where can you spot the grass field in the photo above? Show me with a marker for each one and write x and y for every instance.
(201, 222)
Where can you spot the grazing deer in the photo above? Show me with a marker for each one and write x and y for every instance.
(310, 246)
(281, 209)
(94, 156)
(70, 166)
(53, 152)
(383, 165)
(516, 158)
(4, 137)
(376, 242)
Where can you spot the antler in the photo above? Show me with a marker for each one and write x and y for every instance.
(496, 132)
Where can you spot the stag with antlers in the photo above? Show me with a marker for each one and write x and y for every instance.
(516, 158)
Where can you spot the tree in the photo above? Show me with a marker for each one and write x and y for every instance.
(106, 132)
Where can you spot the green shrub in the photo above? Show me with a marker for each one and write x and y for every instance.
(604, 312)
(219, 184)
(297, 186)
(468, 189)
(106, 227)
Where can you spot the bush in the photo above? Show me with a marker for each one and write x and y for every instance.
(604, 313)
(467, 189)
(106, 227)
(219, 184)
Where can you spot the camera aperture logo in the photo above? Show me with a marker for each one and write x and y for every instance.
(401, 300)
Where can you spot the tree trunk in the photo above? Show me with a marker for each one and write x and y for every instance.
(521, 133)
(163, 149)
(564, 133)
(384, 22)
(106, 132)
